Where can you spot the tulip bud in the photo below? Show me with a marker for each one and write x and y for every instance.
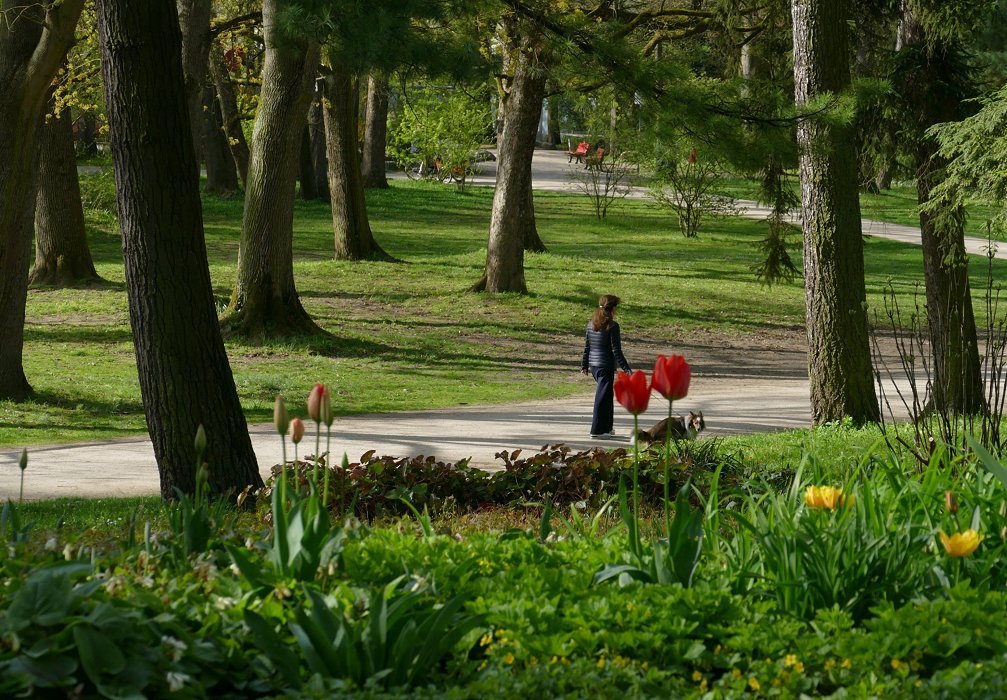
(280, 415)
(200, 439)
(325, 408)
(23, 463)
(203, 474)
(315, 402)
(296, 430)
(950, 501)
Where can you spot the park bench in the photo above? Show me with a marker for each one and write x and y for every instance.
(594, 160)
(577, 153)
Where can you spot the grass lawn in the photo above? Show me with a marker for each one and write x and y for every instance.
(408, 335)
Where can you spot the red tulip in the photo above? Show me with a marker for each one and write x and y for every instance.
(671, 377)
(632, 392)
(315, 399)
(296, 430)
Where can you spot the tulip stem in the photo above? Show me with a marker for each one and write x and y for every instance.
(667, 474)
(283, 472)
(328, 467)
(318, 442)
(637, 548)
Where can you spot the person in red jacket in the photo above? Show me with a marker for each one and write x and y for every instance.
(602, 355)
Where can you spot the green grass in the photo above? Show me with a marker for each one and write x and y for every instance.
(408, 336)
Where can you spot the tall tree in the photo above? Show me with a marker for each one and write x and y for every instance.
(229, 114)
(350, 225)
(930, 83)
(839, 361)
(185, 379)
(34, 39)
(265, 300)
(194, 21)
(62, 256)
(513, 214)
(221, 171)
(372, 165)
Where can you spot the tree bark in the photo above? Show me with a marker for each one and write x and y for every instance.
(352, 230)
(62, 256)
(229, 114)
(839, 361)
(512, 222)
(316, 133)
(33, 43)
(194, 21)
(957, 370)
(375, 133)
(221, 173)
(185, 379)
(555, 136)
(306, 169)
(265, 301)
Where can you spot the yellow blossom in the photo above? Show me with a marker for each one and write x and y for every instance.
(961, 544)
(826, 497)
(896, 664)
(601, 662)
(846, 663)
(830, 664)
(736, 674)
(509, 659)
(697, 676)
(753, 683)
(790, 660)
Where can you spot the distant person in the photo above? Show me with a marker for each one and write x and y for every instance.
(602, 352)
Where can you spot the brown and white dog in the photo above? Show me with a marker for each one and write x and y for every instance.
(686, 428)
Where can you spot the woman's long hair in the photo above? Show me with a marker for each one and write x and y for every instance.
(604, 313)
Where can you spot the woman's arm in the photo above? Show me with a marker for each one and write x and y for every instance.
(613, 334)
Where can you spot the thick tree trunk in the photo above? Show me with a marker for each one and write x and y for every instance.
(33, 43)
(351, 229)
(839, 361)
(87, 134)
(194, 21)
(62, 257)
(185, 379)
(316, 134)
(957, 370)
(512, 222)
(265, 302)
(375, 133)
(221, 174)
(229, 114)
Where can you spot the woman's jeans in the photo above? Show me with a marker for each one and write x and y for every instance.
(603, 405)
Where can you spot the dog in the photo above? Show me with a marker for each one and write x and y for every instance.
(680, 428)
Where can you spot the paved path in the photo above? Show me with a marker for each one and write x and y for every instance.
(769, 391)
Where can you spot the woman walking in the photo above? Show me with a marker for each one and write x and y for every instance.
(602, 352)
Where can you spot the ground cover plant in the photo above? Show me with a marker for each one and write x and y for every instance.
(385, 317)
(860, 577)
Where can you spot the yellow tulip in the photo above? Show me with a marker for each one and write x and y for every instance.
(826, 497)
(961, 544)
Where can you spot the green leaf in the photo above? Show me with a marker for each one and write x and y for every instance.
(269, 642)
(99, 655)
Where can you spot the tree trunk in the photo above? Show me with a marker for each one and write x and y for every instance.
(194, 21)
(512, 222)
(316, 132)
(352, 231)
(62, 257)
(306, 168)
(839, 360)
(185, 379)
(265, 301)
(957, 371)
(33, 43)
(554, 136)
(375, 133)
(87, 134)
(229, 114)
(221, 174)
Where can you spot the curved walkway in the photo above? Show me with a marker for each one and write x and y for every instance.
(738, 389)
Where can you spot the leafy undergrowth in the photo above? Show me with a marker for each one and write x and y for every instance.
(737, 587)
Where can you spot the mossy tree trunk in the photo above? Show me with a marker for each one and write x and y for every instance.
(839, 360)
(62, 256)
(351, 229)
(265, 302)
(512, 222)
(185, 378)
(34, 39)
(375, 133)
